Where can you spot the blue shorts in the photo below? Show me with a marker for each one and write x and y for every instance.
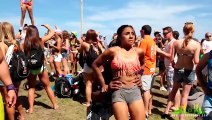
(184, 76)
(1, 83)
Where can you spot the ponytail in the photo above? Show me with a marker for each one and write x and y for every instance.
(188, 30)
(187, 39)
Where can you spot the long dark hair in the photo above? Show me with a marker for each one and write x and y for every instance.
(32, 39)
(119, 32)
(91, 35)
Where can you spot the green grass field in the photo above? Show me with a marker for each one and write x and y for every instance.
(73, 110)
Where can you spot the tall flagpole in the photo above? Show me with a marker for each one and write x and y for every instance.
(81, 16)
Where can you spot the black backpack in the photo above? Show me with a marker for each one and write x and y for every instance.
(62, 87)
(92, 55)
(36, 58)
(18, 65)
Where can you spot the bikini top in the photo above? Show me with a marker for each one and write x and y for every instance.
(126, 65)
(183, 54)
(74, 44)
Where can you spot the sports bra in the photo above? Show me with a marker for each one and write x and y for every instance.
(128, 66)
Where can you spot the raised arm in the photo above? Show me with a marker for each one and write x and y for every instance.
(50, 33)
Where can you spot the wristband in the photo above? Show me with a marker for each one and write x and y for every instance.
(11, 87)
(141, 72)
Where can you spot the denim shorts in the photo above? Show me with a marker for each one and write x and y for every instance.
(64, 55)
(1, 83)
(127, 95)
(87, 69)
(184, 76)
(207, 104)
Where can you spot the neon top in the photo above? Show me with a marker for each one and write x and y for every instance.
(127, 65)
(1, 108)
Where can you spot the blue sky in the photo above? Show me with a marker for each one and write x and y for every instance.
(106, 16)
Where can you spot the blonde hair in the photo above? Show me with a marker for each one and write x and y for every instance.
(8, 32)
(1, 33)
(188, 30)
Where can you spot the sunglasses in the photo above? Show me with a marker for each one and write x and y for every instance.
(209, 36)
(165, 33)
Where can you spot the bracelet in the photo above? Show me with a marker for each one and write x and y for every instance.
(11, 87)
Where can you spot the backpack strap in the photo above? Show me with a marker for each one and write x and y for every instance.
(9, 53)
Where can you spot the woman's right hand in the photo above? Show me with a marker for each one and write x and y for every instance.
(115, 85)
(46, 25)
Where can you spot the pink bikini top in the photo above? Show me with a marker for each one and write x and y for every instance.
(126, 65)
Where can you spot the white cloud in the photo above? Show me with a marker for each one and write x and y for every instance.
(140, 10)
(157, 15)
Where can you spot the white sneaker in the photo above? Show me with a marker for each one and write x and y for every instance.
(163, 88)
